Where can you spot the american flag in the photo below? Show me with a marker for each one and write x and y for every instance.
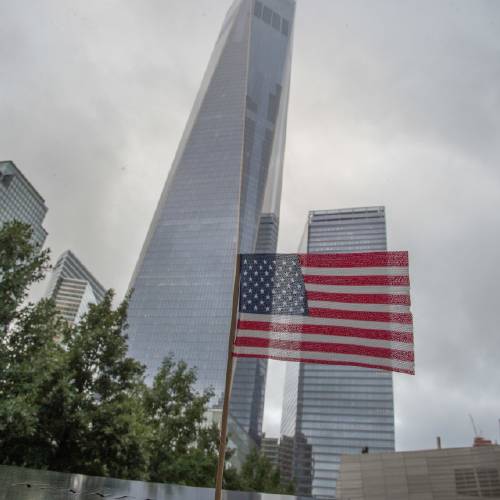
(343, 309)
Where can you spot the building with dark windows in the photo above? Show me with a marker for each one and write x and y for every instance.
(270, 447)
(19, 200)
(286, 447)
(332, 410)
(222, 195)
(73, 288)
(280, 452)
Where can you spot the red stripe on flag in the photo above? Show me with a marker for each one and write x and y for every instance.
(322, 362)
(361, 298)
(358, 280)
(385, 317)
(349, 349)
(369, 259)
(341, 331)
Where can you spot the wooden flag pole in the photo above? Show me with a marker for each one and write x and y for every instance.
(229, 382)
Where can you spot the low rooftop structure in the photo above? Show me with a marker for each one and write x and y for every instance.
(441, 474)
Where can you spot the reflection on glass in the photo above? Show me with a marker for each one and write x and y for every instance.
(224, 185)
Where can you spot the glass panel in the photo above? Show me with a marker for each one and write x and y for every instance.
(267, 14)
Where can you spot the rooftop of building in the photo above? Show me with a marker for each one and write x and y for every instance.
(347, 210)
(484, 448)
(70, 256)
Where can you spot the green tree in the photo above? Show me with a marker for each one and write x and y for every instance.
(21, 264)
(30, 360)
(28, 355)
(184, 449)
(73, 406)
(102, 427)
(259, 474)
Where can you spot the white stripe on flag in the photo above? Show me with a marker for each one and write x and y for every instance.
(322, 356)
(354, 271)
(400, 290)
(312, 320)
(325, 339)
(347, 306)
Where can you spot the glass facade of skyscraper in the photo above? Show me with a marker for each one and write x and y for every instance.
(19, 200)
(331, 410)
(222, 194)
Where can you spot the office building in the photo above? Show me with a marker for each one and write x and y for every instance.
(222, 194)
(331, 410)
(442, 474)
(286, 448)
(19, 200)
(280, 452)
(269, 447)
(73, 288)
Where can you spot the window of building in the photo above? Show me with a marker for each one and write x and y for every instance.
(258, 9)
(285, 27)
(267, 14)
(480, 482)
(489, 482)
(276, 22)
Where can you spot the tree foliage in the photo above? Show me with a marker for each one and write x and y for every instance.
(179, 442)
(259, 474)
(72, 400)
(21, 264)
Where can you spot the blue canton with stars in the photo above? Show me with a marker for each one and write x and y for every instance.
(272, 284)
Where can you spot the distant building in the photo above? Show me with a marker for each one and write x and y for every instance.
(330, 410)
(280, 453)
(73, 288)
(269, 447)
(286, 447)
(441, 474)
(19, 200)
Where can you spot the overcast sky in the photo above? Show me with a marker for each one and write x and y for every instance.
(393, 103)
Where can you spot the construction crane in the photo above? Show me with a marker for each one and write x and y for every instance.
(476, 433)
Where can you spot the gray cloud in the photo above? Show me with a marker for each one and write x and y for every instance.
(393, 102)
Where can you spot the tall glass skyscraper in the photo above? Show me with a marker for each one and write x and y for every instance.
(222, 193)
(331, 410)
(19, 200)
